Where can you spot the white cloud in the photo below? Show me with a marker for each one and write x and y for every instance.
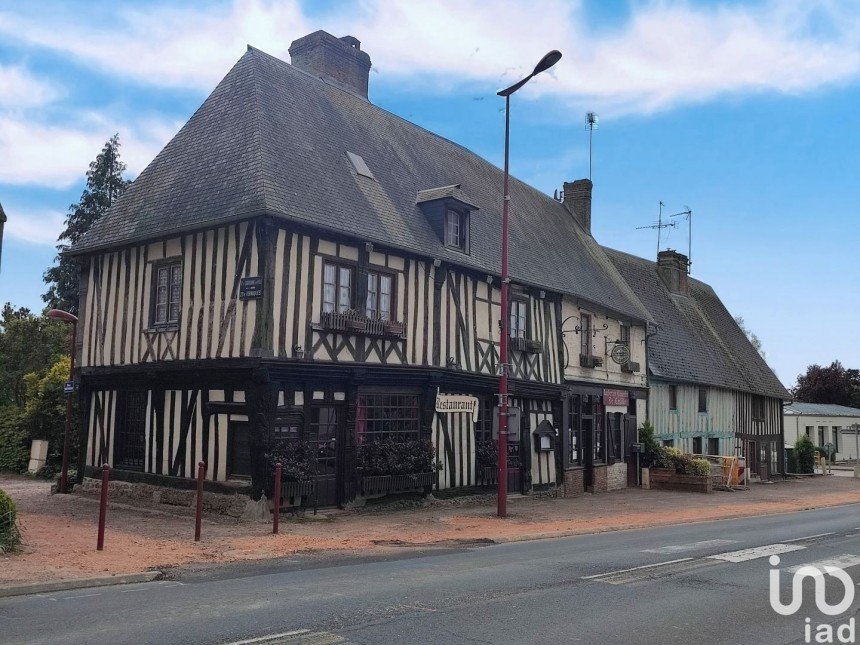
(34, 227)
(54, 156)
(19, 88)
(665, 54)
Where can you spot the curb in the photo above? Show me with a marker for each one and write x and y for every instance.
(7, 591)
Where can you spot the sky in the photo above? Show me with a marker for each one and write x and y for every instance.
(745, 112)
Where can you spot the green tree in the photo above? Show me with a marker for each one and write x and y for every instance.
(831, 384)
(754, 340)
(104, 186)
(45, 412)
(804, 453)
(28, 343)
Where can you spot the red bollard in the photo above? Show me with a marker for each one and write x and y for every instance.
(100, 545)
(201, 473)
(276, 499)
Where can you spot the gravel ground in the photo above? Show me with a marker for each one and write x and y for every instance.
(59, 532)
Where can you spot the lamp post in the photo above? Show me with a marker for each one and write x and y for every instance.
(65, 316)
(856, 428)
(545, 63)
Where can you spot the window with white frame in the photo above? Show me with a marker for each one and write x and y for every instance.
(337, 288)
(519, 319)
(380, 290)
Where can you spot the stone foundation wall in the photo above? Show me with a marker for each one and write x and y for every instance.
(574, 482)
(169, 499)
(600, 479)
(616, 476)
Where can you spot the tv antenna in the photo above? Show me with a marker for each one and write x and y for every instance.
(660, 226)
(688, 215)
(591, 124)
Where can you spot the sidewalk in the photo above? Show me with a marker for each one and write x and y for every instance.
(59, 531)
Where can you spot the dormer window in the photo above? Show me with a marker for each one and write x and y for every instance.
(448, 211)
(455, 230)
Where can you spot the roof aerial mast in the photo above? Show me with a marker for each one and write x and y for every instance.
(688, 214)
(659, 226)
(591, 122)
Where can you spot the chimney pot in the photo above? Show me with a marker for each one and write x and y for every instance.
(577, 198)
(674, 270)
(338, 60)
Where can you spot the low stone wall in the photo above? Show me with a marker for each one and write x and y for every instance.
(574, 484)
(665, 479)
(169, 499)
(616, 476)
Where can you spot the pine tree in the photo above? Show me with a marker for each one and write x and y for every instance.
(104, 186)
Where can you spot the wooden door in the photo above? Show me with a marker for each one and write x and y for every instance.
(325, 434)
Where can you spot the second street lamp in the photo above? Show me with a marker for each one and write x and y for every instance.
(65, 316)
(545, 63)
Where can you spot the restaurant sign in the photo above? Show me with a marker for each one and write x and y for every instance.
(457, 403)
(616, 397)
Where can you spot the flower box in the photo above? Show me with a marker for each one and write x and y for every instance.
(526, 345)
(669, 479)
(387, 484)
(394, 327)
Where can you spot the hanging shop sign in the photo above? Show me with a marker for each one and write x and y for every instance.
(620, 354)
(251, 288)
(616, 397)
(457, 404)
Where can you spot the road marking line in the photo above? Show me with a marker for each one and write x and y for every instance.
(756, 552)
(83, 595)
(644, 566)
(260, 639)
(809, 537)
(844, 561)
(678, 548)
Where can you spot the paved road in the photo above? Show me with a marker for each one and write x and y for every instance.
(702, 583)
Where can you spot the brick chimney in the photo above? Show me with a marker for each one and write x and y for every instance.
(674, 270)
(577, 198)
(339, 60)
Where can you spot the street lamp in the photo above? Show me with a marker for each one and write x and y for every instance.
(65, 316)
(545, 63)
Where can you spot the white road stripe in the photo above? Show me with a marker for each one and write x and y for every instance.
(756, 552)
(680, 548)
(810, 537)
(271, 637)
(644, 566)
(844, 561)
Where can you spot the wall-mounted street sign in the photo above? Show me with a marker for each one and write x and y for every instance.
(457, 403)
(251, 288)
(620, 354)
(68, 387)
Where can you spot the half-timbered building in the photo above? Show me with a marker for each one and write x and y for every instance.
(298, 263)
(710, 391)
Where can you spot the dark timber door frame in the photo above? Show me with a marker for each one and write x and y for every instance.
(325, 429)
(129, 445)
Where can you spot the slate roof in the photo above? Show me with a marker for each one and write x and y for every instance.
(454, 192)
(696, 339)
(273, 139)
(821, 409)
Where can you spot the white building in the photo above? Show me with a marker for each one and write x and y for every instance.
(823, 423)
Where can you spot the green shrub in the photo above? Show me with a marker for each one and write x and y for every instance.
(45, 414)
(805, 454)
(487, 454)
(791, 457)
(653, 452)
(701, 468)
(14, 440)
(298, 459)
(10, 536)
(388, 456)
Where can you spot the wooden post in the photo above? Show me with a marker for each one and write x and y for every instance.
(276, 499)
(100, 543)
(198, 518)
